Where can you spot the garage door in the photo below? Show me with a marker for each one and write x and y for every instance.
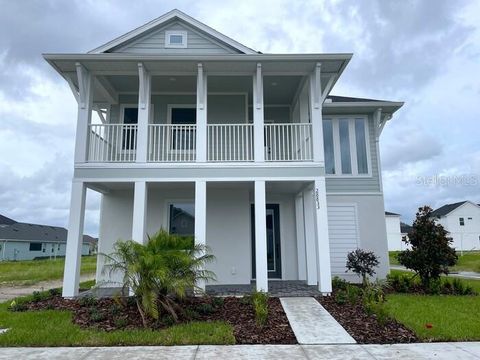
(343, 232)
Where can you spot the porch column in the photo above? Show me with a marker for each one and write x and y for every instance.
(201, 138)
(316, 102)
(261, 237)
(258, 116)
(144, 106)
(201, 217)
(71, 277)
(310, 239)
(84, 116)
(300, 227)
(139, 212)
(323, 240)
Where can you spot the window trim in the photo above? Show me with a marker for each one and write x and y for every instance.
(169, 33)
(353, 145)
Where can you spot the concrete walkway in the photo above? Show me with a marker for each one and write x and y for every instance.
(459, 274)
(11, 292)
(312, 324)
(438, 351)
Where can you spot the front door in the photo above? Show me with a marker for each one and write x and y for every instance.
(274, 265)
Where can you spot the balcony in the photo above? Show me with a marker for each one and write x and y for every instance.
(167, 143)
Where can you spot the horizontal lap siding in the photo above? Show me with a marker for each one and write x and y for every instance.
(359, 184)
(343, 232)
(154, 43)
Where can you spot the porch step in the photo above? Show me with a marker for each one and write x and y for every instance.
(312, 324)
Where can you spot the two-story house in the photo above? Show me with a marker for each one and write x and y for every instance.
(462, 221)
(246, 151)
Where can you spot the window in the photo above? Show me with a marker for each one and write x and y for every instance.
(175, 39)
(361, 142)
(461, 221)
(182, 219)
(346, 145)
(35, 246)
(328, 144)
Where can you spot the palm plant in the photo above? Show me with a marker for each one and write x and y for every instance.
(163, 269)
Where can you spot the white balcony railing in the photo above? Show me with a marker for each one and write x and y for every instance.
(171, 143)
(227, 143)
(288, 142)
(112, 143)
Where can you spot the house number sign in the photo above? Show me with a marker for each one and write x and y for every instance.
(317, 198)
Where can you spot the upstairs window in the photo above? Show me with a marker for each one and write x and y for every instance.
(461, 221)
(346, 144)
(175, 39)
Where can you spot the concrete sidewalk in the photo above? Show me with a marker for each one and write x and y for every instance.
(438, 351)
(459, 274)
(312, 324)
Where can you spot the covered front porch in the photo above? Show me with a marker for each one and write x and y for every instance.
(281, 248)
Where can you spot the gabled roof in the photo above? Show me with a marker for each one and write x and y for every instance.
(446, 209)
(388, 213)
(405, 228)
(35, 232)
(158, 22)
(6, 221)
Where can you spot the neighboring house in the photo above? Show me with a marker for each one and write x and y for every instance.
(462, 221)
(394, 234)
(281, 179)
(23, 241)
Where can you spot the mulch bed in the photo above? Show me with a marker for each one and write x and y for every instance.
(365, 328)
(114, 314)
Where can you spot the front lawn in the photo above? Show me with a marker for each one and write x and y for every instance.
(33, 271)
(452, 318)
(469, 261)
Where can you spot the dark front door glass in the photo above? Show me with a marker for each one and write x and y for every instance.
(273, 241)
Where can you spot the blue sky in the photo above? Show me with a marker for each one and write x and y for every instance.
(426, 53)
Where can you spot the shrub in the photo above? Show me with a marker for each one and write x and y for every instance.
(54, 292)
(362, 263)
(120, 322)
(380, 313)
(17, 306)
(260, 306)
(217, 302)
(434, 287)
(338, 283)
(96, 315)
(341, 297)
(87, 301)
(204, 309)
(430, 254)
(373, 293)
(191, 314)
(402, 283)
(353, 293)
(162, 269)
(460, 288)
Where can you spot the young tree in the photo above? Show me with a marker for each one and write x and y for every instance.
(430, 254)
(362, 263)
(162, 269)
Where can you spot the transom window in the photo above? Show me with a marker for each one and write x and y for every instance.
(175, 39)
(345, 141)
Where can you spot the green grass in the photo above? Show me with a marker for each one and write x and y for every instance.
(33, 271)
(469, 261)
(55, 328)
(453, 318)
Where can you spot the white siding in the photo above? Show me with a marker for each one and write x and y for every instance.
(466, 237)
(344, 235)
(394, 236)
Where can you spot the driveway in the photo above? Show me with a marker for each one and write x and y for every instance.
(439, 351)
(11, 292)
